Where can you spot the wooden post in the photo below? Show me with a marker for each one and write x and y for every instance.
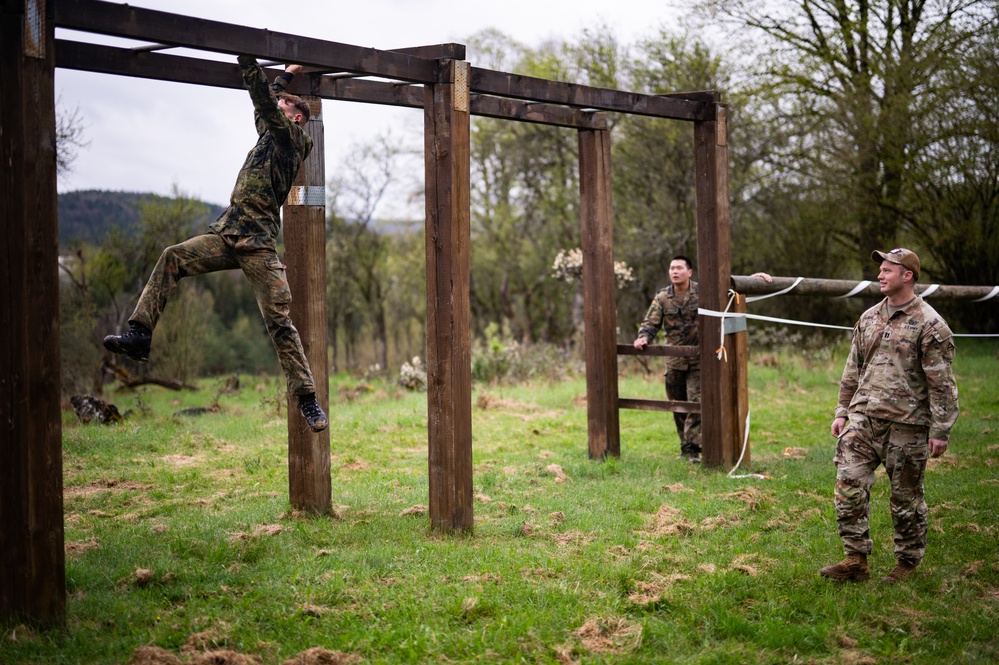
(449, 358)
(737, 347)
(305, 251)
(32, 559)
(599, 310)
(713, 270)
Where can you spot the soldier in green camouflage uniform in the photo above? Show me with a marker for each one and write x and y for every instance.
(897, 405)
(674, 309)
(245, 236)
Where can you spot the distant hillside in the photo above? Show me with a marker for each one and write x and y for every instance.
(89, 215)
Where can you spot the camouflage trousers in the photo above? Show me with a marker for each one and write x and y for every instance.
(865, 444)
(255, 256)
(684, 385)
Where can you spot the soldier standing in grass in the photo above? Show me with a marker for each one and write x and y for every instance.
(245, 237)
(674, 309)
(897, 405)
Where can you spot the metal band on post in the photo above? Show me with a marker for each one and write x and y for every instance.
(306, 196)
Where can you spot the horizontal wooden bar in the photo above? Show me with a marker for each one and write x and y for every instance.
(659, 405)
(118, 20)
(182, 69)
(659, 350)
(517, 86)
(175, 30)
(810, 286)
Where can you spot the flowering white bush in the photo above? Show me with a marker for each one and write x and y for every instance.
(568, 267)
(413, 376)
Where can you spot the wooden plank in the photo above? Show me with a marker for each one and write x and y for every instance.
(449, 357)
(32, 558)
(659, 350)
(599, 312)
(181, 69)
(309, 480)
(450, 51)
(659, 405)
(714, 260)
(176, 30)
(517, 86)
(835, 288)
(737, 347)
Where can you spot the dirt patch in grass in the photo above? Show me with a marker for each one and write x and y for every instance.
(668, 521)
(76, 548)
(321, 656)
(104, 486)
(609, 635)
(183, 460)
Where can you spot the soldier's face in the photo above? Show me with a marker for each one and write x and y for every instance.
(290, 112)
(679, 273)
(892, 277)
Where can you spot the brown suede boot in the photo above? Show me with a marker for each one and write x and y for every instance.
(901, 571)
(853, 567)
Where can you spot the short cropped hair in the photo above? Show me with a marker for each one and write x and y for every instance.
(297, 103)
(681, 257)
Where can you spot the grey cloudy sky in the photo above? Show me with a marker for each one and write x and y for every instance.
(150, 136)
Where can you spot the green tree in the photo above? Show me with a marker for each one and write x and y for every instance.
(850, 86)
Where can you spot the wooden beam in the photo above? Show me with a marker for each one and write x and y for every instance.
(599, 313)
(737, 348)
(117, 20)
(32, 558)
(449, 354)
(517, 86)
(659, 405)
(839, 288)
(713, 270)
(181, 69)
(659, 350)
(305, 254)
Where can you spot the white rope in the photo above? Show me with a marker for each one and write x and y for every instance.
(857, 289)
(745, 444)
(929, 290)
(710, 312)
(990, 296)
(776, 293)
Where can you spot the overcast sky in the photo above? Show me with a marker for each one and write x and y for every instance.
(149, 136)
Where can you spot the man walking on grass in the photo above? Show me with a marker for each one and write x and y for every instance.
(245, 237)
(897, 405)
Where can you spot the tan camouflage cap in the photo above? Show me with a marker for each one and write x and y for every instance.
(903, 257)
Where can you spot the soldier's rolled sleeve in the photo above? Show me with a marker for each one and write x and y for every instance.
(937, 357)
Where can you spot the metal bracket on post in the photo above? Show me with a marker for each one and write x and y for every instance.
(733, 324)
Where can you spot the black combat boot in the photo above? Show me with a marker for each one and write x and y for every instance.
(134, 342)
(312, 412)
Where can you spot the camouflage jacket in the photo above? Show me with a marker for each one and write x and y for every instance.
(271, 166)
(899, 368)
(677, 316)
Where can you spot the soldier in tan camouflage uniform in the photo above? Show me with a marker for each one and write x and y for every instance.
(674, 309)
(897, 405)
(245, 237)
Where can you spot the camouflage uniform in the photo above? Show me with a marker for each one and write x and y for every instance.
(677, 316)
(897, 392)
(245, 235)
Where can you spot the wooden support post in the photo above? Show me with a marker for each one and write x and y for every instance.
(713, 271)
(305, 251)
(32, 558)
(737, 348)
(599, 310)
(449, 357)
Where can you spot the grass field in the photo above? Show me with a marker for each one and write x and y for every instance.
(182, 547)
